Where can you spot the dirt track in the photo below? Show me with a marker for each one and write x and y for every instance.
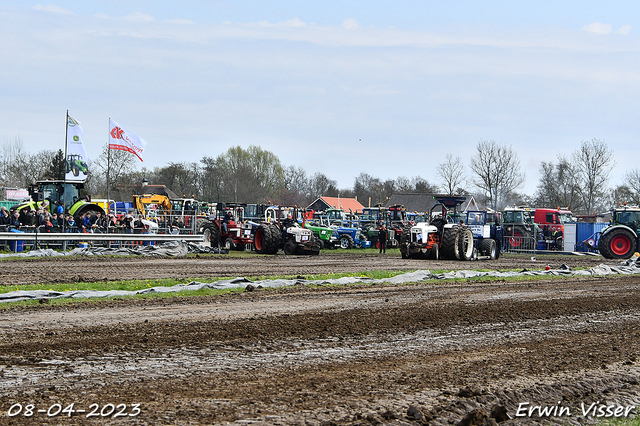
(412, 354)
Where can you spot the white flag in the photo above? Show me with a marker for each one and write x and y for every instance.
(121, 138)
(76, 164)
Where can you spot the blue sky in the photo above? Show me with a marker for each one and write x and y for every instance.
(381, 87)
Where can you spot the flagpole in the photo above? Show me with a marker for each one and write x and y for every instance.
(64, 185)
(108, 175)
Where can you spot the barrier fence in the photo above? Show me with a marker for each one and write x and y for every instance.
(17, 241)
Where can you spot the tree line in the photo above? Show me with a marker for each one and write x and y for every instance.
(579, 181)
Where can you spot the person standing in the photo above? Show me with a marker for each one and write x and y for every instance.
(382, 238)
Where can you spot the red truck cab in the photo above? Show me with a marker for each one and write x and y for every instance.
(552, 223)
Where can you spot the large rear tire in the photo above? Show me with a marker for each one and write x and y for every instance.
(465, 243)
(201, 224)
(617, 244)
(265, 240)
(211, 234)
(449, 246)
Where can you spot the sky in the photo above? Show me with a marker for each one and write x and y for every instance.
(387, 88)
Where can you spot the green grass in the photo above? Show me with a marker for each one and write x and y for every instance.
(622, 422)
(133, 285)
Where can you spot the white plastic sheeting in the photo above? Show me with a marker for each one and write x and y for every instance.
(170, 248)
(626, 268)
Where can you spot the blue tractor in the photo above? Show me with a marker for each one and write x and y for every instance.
(487, 232)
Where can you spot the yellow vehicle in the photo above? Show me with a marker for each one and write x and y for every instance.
(166, 210)
(152, 205)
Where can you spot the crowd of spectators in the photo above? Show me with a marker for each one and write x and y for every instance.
(29, 220)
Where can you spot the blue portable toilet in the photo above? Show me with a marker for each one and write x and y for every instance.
(586, 230)
(16, 246)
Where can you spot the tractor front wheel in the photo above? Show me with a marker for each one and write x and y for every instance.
(289, 248)
(346, 241)
(488, 248)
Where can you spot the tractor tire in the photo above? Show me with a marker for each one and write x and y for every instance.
(405, 236)
(488, 248)
(465, 243)
(264, 239)
(435, 252)
(276, 238)
(617, 244)
(229, 244)
(200, 225)
(289, 248)
(321, 242)
(450, 243)
(212, 233)
(346, 241)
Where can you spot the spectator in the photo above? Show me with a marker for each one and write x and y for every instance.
(48, 226)
(382, 238)
(100, 222)
(41, 216)
(54, 220)
(58, 209)
(5, 218)
(71, 224)
(86, 224)
(15, 220)
(111, 222)
(175, 226)
(128, 224)
(30, 219)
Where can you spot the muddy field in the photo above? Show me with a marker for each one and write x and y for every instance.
(480, 352)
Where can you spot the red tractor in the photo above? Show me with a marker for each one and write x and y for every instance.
(227, 229)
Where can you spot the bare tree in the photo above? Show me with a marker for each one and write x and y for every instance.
(321, 186)
(296, 190)
(558, 185)
(497, 171)
(593, 163)
(120, 165)
(451, 173)
(367, 187)
(632, 184)
(13, 163)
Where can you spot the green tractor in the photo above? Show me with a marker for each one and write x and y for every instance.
(45, 193)
(620, 240)
(76, 165)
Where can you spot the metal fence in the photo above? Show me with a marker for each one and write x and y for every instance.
(29, 237)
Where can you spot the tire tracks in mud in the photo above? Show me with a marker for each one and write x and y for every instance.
(411, 354)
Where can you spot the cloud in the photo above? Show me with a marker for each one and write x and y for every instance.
(138, 17)
(597, 28)
(350, 24)
(295, 23)
(624, 30)
(100, 16)
(53, 8)
(180, 21)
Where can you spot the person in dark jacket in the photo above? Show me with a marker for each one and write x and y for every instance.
(15, 220)
(382, 238)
